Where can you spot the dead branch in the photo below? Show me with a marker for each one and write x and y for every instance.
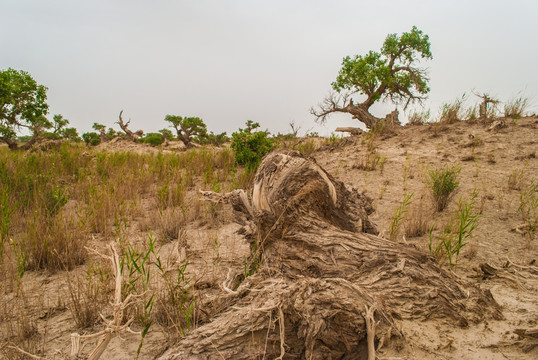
(133, 136)
(114, 326)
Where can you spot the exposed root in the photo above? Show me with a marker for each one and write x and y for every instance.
(370, 330)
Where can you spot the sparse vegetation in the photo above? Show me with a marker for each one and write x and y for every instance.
(516, 108)
(419, 117)
(528, 209)
(399, 215)
(442, 183)
(452, 112)
(457, 232)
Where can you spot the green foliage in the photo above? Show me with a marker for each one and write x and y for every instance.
(442, 182)
(216, 139)
(188, 128)
(22, 105)
(70, 134)
(388, 74)
(456, 234)
(91, 138)
(167, 134)
(154, 139)
(249, 147)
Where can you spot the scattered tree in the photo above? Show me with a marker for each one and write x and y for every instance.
(102, 132)
(22, 106)
(91, 138)
(390, 74)
(188, 129)
(167, 134)
(70, 134)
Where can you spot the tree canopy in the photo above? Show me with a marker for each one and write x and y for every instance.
(23, 105)
(391, 74)
(188, 128)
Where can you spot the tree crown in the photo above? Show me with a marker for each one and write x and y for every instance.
(389, 73)
(22, 104)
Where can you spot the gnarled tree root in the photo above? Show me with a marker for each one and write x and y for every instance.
(321, 270)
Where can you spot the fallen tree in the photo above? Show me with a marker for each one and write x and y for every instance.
(322, 284)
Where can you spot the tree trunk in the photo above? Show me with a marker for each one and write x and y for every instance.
(319, 265)
(351, 130)
(361, 113)
(133, 136)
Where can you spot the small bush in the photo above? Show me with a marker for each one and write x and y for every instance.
(516, 108)
(451, 112)
(419, 117)
(442, 182)
(91, 138)
(249, 147)
(154, 139)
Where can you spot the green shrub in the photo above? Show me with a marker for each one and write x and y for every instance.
(442, 183)
(215, 139)
(456, 234)
(249, 147)
(91, 138)
(154, 139)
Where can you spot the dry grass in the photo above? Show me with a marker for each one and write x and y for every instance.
(53, 204)
(516, 108)
(417, 222)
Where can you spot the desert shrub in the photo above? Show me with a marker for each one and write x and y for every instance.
(516, 178)
(91, 138)
(516, 108)
(417, 222)
(451, 112)
(249, 147)
(419, 117)
(215, 139)
(154, 139)
(457, 232)
(442, 183)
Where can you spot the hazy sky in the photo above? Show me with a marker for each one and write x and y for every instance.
(269, 61)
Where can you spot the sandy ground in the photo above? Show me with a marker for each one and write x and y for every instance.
(487, 160)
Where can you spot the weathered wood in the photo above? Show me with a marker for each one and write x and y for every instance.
(319, 264)
(351, 130)
(133, 136)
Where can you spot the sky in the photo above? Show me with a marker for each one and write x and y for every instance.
(267, 61)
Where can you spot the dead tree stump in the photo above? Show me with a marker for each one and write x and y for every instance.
(319, 266)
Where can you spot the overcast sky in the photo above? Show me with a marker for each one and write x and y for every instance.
(229, 61)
